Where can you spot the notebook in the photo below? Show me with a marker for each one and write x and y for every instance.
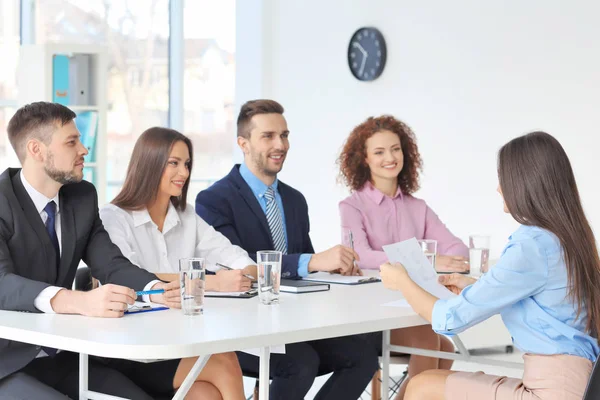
(327, 277)
(302, 286)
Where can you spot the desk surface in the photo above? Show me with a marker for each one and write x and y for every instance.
(227, 324)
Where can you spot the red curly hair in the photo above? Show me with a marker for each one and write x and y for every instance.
(354, 171)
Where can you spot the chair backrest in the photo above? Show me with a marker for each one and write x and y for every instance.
(592, 392)
(83, 279)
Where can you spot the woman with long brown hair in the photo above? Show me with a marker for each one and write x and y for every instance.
(546, 285)
(154, 227)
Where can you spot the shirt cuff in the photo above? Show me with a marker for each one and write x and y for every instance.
(303, 261)
(439, 319)
(146, 297)
(42, 301)
(242, 263)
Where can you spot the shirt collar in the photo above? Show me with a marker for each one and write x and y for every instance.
(141, 217)
(376, 195)
(257, 186)
(39, 200)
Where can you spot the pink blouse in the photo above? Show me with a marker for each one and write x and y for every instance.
(377, 220)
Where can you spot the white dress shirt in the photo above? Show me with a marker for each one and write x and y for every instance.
(42, 301)
(184, 235)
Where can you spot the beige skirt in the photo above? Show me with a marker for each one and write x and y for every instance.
(556, 377)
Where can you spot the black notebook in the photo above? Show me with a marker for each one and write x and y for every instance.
(297, 286)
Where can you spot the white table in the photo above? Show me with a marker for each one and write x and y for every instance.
(227, 325)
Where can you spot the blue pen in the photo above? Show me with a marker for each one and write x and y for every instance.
(144, 292)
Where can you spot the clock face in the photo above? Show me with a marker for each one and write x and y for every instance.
(366, 54)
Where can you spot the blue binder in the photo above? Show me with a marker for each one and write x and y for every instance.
(87, 124)
(60, 79)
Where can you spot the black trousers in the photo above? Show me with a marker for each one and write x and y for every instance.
(58, 378)
(352, 359)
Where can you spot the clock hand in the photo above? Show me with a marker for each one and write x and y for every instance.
(359, 47)
(365, 56)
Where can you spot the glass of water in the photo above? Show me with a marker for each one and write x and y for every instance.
(479, 254)
(191, 278)
(269, 276)
(429, 247)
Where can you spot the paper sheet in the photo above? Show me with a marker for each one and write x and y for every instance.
(337, 278)
(409, 254)
(226, 294)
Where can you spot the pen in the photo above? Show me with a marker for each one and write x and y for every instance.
(144, 292)
(225, 267)
(351, 238)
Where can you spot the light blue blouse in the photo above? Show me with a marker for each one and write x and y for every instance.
(528, 288)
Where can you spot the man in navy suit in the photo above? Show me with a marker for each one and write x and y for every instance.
(256, 211)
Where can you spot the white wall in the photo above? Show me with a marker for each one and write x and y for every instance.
(467, 76)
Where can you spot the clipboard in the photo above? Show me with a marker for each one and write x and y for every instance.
(233, 295)
(326, 277)
(140, 307)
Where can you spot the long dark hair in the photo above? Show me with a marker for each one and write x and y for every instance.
(148, 161)
(539, 189)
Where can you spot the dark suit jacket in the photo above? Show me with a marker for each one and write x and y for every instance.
(231, 208)
(25, 249)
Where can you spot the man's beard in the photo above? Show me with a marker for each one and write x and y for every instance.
(262, 165)
(62, 177)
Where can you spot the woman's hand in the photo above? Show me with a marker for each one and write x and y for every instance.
(451, 264)
(456, 282)
(392, 275)
(232, 281)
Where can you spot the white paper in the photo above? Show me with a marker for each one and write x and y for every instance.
(409, 254)
(228, 294)
(337, 278)
(402, 303)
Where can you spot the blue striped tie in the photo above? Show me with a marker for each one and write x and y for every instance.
(275, 222)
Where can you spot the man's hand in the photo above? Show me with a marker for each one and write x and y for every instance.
(109, 301)
(171, 297)
(232, 281)
(337, 258)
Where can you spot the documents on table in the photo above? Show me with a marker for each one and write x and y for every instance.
(235, 295)
(409, 254)
(328, 277)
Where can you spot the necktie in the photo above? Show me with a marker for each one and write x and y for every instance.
(275, 222)
(51, 229)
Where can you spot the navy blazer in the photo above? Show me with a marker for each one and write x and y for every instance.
(230, 206)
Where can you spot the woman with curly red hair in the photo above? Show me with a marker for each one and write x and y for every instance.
(380, 163)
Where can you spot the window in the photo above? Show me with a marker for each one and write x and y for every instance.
(9, 50)
(209, 88)
(137, 35)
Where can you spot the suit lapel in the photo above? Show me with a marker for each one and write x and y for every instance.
(35, 222)
(68, 237)
(250, 200)
(290, 218)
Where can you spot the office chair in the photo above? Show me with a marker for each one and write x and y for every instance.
(592, 392)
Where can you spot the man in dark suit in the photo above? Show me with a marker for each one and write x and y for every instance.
(48, 223)
(256, 211)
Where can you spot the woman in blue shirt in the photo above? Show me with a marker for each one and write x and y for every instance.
(546, 285)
